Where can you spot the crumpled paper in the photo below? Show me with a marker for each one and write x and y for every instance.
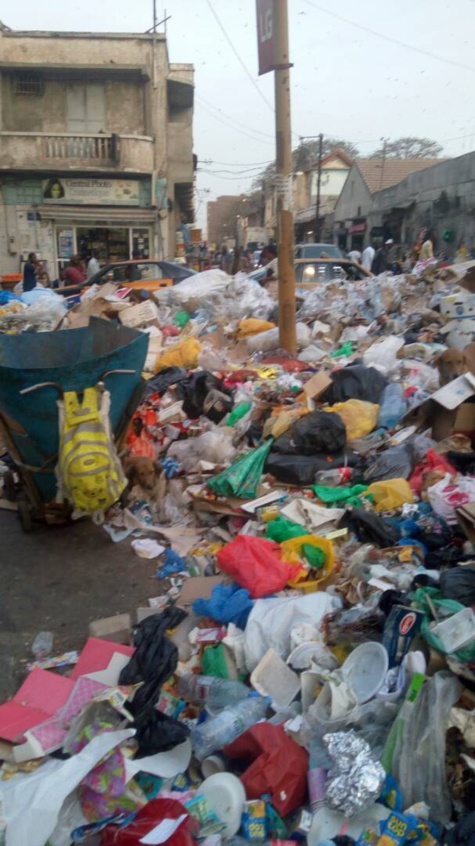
(356, 777)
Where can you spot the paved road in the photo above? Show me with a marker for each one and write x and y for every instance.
(59, 579)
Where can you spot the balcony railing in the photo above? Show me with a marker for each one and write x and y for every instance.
(47, 151)
(99, 148)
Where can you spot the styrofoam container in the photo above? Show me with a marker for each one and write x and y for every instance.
(225, 796)
(363, 671)
(458, 305)
(456, 632)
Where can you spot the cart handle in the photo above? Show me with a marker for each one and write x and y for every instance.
(60, 389)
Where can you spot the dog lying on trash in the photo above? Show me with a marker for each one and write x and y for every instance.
(149, 476)
(451, 364)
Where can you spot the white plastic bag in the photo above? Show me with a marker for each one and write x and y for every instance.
(383, 354)
(269, 340)
(445, 496)
(215, 446)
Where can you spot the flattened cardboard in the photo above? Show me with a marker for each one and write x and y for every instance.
(456, 392)
(198, 587)
(466, 518)
(317, 385)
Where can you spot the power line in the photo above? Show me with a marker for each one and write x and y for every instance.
(254, 138)
(238, 57)
(251, 170)
(389, 38)
(229, 117)
(214, 173)
(245, 164)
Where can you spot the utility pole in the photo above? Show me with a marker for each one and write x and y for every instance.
(319, 185)
(287, 320)
(381, 181)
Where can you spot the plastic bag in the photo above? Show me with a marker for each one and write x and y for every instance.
(394, 463)
(383, 354)
(256, 564)
(447, 607)
(390, 494)
(432, 461)
(319, 432)
(445, 496)
(295, 548)
(278, 766)
(243, 477)
(416, 746)
(196, 391)
(184, 354)
(341, 493)
(458, 584)
(253, 326)
(355, 382)
(301, 470)
(215, 446)
(197, 287)
(369, 528)
(266, 341)
(148, 818)
(271, 622)
(359, 417)
(159, 383)
(227, 604)
(393, 406)
(280, 530)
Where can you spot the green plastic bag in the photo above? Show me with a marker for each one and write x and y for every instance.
(242, 478)
(447, 607)
(313, 555)
(238, 412)
(181, 319)
(340, 494)
(281, 529)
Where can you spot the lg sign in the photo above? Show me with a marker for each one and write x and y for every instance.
(265, 35)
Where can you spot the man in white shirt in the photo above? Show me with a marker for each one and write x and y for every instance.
(368, 256)
(354, 255)
(93, 265)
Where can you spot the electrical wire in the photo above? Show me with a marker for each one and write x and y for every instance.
(389, 38)
(242, 164)
(238, 57)
(213, 173)
(251, 171)
(254, 138)
(222, 114)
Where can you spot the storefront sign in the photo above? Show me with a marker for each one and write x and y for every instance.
(65, 243)
(265, 35)
(357, 228)
(93, 192)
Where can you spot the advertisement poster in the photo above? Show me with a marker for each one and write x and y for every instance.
(94, 192)
(65, 243)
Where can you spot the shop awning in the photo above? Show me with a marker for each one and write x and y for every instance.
(107, 214)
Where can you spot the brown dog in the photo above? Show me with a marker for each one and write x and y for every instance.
(150, 477)
(451, 364)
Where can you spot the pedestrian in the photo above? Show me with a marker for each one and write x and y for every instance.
(93, 265)
(30, 271)
(74, 273)
(368, 257)
(427, 249)
(354, 255)
(381, 259)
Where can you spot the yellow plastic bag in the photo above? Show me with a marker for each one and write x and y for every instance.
(390, 494)
(359, 417)
(253, 326)
(184, 354)
(292, 553)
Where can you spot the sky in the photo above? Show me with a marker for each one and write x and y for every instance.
(362, 71)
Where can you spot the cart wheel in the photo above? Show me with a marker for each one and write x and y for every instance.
(24, 513)
(9, 487)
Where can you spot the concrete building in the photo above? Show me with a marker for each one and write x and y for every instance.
(440, 198)
(95, 147)
(351, 230)
(222, 218)
(334, 171)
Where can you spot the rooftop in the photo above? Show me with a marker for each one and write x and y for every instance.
(384, 173)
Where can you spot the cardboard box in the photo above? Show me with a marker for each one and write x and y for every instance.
(466, 517)
(458, 305)
(117, 629)
(143, 314)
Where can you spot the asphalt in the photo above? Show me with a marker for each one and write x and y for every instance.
(60, 579)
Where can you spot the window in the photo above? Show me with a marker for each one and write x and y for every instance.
(28, 83)
(86, 108)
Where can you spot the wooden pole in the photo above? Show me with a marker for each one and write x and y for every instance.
(319, 188)
(287, 327)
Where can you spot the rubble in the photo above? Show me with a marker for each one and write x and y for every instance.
(307, 670)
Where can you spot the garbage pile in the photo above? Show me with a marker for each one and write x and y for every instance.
(307, 672)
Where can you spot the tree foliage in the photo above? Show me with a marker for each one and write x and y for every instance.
(409, 147)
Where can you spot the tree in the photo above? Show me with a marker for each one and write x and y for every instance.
(306, 154)
(409, 148)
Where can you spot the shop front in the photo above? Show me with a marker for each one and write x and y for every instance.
(109, 241)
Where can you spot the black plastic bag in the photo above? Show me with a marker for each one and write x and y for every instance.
(464, 462)
(355, 382)
(156, 732)
(196, 389)
(459, 584)
(394, 463)
(317, 432)
(463, 834)
(154, 660)
(300, 470)
(159, 383)
(369, 527)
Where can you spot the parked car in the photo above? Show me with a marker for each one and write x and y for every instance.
(317, 251)
(256, 257)
(309, 272)
(142, 274)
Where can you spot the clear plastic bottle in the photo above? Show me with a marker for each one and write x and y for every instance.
(393, 406)
(215, 693)
(318, 767)
(226, 726)
(42, 644)
(333, 478)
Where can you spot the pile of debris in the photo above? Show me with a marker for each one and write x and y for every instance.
(307, 671)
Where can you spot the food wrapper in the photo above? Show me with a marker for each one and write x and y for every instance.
(356, 777)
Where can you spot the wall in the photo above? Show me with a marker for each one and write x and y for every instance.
(441, 197)
(354, 196)
(332, 182)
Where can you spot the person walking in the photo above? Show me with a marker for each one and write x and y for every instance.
(30, 271)
(381, 259)
(93, 265)
(368, 257)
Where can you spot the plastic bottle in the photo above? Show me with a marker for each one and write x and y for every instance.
(226, 726)
(215, 693)
(318, 767)
(333, 478)
(42, 644)
(393, 406)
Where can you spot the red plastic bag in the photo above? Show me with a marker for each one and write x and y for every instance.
(255, 564)
(279, 766)
(153, 813)
(433, 461)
